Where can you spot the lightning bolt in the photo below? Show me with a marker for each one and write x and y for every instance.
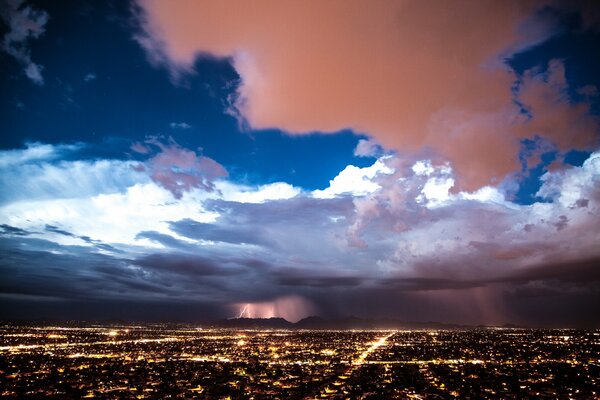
(243, 311)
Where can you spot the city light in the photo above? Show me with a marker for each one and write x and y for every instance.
(159, 361)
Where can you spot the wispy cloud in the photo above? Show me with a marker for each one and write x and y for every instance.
(89, 77)
(180, 125)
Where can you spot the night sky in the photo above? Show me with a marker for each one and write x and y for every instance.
(192, 160)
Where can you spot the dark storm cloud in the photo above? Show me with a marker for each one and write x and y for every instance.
(188, 265)
(310, 278)
(55, 229)
(234, 234)
(11, 230)
(166, 240)
(38, 267)
(427, 284)
(496, 251)
(299, 210)
(96, 243)
(583, 271)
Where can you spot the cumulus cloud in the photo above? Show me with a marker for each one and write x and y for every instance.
(24, 22)
(260, 194)
(572, 186)
(354, 181)
(411, 74)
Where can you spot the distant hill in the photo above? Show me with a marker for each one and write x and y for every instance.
(254, 323)
(312, 323)
(315, 322)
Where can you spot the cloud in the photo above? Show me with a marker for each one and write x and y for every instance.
(184, 264)
(410, 74)
(80, 230)
(180, 125)
(140, 148)
(66, 179)
(107, 200)
(218, 232)
(553, 114)
(310, 278)
(367, 148)
(36, 152)
(354, 181)
(570, 185)
(24, 22)
(89, 77)
(11, 230)
(260, 194)
(179, 170)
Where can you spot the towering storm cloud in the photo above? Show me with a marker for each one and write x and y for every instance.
(417, 76)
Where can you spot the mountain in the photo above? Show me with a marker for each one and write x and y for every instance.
(316, 323)
(254, 323)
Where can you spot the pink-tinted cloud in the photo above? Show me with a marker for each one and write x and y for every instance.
(553, 115)
(140, 148)
(178, 169)
(413, 74)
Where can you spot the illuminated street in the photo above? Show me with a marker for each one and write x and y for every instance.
(157, 361)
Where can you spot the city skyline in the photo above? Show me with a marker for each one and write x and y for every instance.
(202, 160)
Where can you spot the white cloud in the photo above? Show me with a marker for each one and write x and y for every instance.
(354, 181)
(569, 185)
(436, 191)
(486, 194)
(67, 179)
(245, 194)
(111, 218)
(423, 167)
(35, 152)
